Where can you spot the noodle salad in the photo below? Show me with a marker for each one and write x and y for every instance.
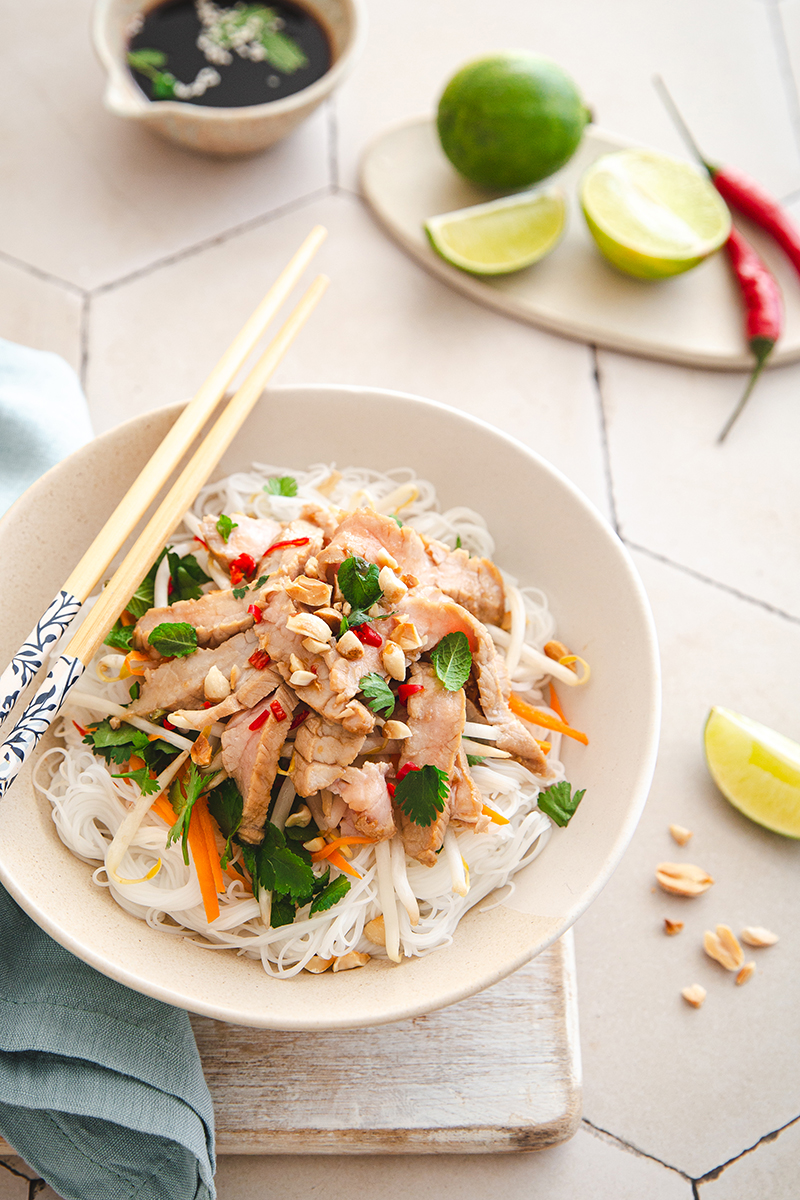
(325, 727)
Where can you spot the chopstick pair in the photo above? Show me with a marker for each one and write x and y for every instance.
(69, 667)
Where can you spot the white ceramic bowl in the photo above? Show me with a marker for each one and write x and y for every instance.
(547, 534)
(221, 131)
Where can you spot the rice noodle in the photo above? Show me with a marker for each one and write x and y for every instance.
(420, 905)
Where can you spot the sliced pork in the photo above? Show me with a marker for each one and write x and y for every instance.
(252, 535)
(368, 802)
(216, 616)
(251, 757)
(466, 802)
(322, 752)
(178, 683)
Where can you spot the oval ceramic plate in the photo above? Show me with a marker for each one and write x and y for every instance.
(695, 318)
(547, 534)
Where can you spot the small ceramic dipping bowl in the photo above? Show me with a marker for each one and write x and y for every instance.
(221, 131)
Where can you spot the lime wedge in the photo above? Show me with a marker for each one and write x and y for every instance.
(501, 236)
(755, 768)
(651, 215)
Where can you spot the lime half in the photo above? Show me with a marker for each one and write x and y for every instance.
(651, 215)
(755, 768)
(503, 235)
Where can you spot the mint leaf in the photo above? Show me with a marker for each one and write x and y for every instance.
(186, 576)
(119, 636)
(142, 776)
(283, 485)
(452, 660)
(225, 805)
(475, 760)
(282, 910)
(142, 598)
(135, 688)
(421, 794)
(558, 802)
(358, 581)
(183, 795)
(174, 639)
(380, 696)
(330, 895)
(225, 527)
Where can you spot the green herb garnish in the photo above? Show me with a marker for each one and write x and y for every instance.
(225, 527)
(116, 745)
(142, 598)
(330, 895)
(276, 868)
(239, 592)
(283, 485)
(120, 637)
(225, 805)
(475, 760)
(186, 577)
(183, 795)
(141, 776)
(559, 803)
(380, 696)
(147, 62)
(174, 639)
(358, 581)
(452, 660)
(421, 794)
(458, 542)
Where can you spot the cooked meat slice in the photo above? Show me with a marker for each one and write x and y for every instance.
(475, 582)
(178, 683)
(322, 751)
(422, 841)
(436, 720)
(327, 520)
(290, 560)
(251, 757)
(345, 674)
(253, 685)
(198, 718)
(326, 809)
(466, 802)
(252, 535)
(216, 616)
(368, 803)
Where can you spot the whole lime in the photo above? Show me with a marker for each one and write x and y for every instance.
(511, 119)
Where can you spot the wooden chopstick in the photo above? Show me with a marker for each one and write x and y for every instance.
(147, 485)
(69, 667)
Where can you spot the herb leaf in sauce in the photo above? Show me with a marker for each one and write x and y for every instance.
(174, 639)
(421, 794)
(452, 660)
(559, 803)
(380, 696)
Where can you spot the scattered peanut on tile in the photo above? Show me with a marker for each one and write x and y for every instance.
(723, 947)
(683, 879)
(694, 995)
(672, 927)
(746, 972)
(755, 935)
(680, 833)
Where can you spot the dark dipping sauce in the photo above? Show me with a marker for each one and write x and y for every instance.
(173, 29)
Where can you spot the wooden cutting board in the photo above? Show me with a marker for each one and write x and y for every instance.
(500, 1071)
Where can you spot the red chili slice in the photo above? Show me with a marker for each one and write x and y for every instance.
(83, 732)
(236, 576)
(277, 711)
(206, 704)
(367, 635)
(166, 725)
(390, 788)
(401, 774)
(259, 659)
(170, 586)
(256, 613)
(294, 542)
(409, 689)
(298, 719)
(202, 543)
(245, 565)
(260, 720)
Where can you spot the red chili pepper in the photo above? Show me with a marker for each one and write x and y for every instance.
(298, 719)
(256, 612)
(294, 542)
(166, 724)
(401, 774)
(170, 586)
(260, 720)
(83, 732)
(367, 635)
(206, 704)
(408, 689)
(244, 567)
(277, 711)
(259, 659)
(752, 201)
(200, 540)
(390, 788)
(763, 311)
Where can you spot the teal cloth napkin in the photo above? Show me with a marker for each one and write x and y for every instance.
(101, 1089)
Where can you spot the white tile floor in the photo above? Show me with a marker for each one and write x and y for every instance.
(136, 261)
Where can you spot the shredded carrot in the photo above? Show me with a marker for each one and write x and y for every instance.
(555, 704)
(162, 808)
(135, 763)
(202, 864)
(207, 826)
(126, 619)
(545, 747)
(494, 816)
(537, 717)
(337, 861)
(333, 847)
(134, 664)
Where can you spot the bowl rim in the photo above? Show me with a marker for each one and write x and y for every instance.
(456, 990)
(138, 105)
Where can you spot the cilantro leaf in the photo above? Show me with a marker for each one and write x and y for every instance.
(142, 598)
(225, 527)
(183, 795)
(141, 776)
(380, 696)
(239, 592)
(458, 542)
(262, 579)
(397, 520)
(358, 581)
(330, 895)
(281, 485)
(119, 636)
(277, 868)
(116, 745)
(421, 794)
(174, 639)
(558, 802)
(475, 760)
(452, 660)
(225, 805)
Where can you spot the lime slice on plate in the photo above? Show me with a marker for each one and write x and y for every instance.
(651, 215)
(755, 768)
(501, 236)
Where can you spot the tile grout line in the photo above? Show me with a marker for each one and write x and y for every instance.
(778, 34)
(723, 587)
(84, 340)
(604, 438)
(605, 1134)
(217, 239)
(38, 273)
(715, 1173)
